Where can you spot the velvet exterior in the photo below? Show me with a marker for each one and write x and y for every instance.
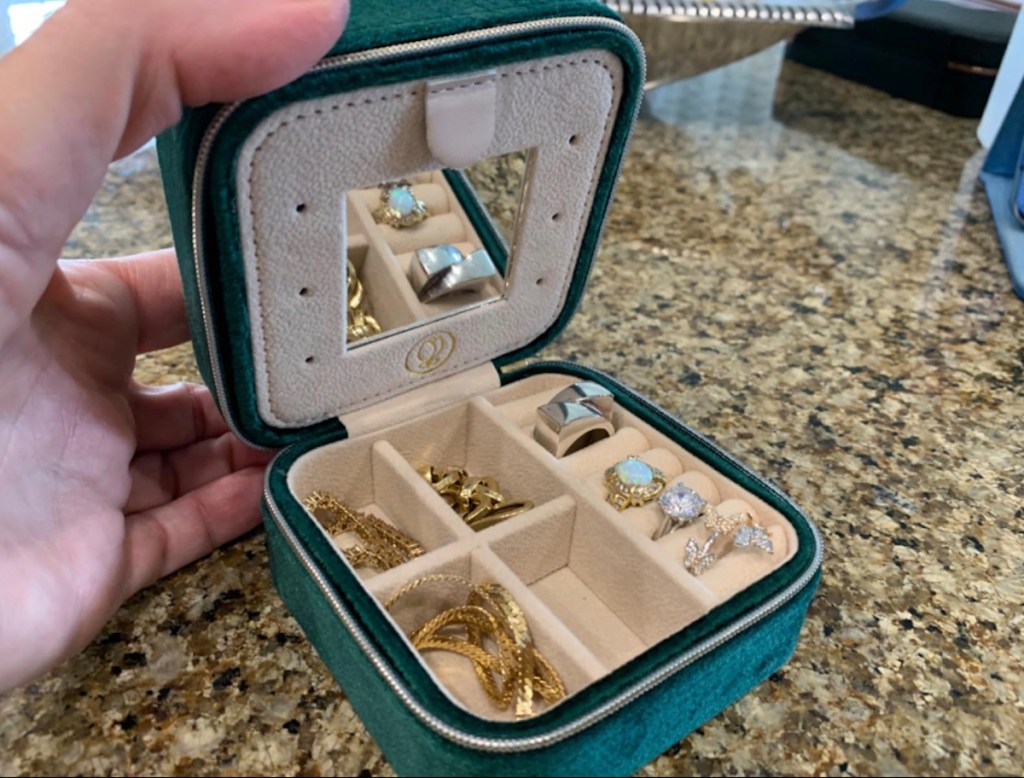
(633, 734)
(379, 24)
(617, 745)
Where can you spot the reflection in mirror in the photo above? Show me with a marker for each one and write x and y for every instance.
(430, 245)
(499, 185)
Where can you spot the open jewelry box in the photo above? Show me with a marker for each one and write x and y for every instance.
(508, 125)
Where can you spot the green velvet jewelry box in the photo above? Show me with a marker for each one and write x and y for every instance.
(509, 121)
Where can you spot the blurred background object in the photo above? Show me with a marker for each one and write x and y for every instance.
(944, 54)
(685, 37)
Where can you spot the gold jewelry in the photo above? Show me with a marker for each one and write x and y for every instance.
(360, 323)
(478, 501)
(399, 207)
(383, 546)
(516, 671)
(632, 482)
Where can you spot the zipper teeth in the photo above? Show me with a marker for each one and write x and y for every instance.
(210, 134)
(735, 10)
(514, 745)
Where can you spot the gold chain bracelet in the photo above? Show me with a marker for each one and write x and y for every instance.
(383, 547)
(517, 672)
(360, 323)
(478, 501)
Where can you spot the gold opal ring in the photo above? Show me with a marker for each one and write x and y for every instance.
(399, 207)
(632, 482)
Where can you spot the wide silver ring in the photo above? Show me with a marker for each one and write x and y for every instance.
(442, 270)
(563, 428)
(590, 393)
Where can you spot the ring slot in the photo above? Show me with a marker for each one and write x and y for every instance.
(446, 228)
(598, 457)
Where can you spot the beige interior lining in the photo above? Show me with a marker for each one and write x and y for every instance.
(293, 177)
(596, 589)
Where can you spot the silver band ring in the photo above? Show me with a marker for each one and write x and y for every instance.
(563, 428)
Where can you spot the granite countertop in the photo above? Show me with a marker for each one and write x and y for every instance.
(814, 281)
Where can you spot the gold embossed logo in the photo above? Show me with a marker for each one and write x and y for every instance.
(430, 353)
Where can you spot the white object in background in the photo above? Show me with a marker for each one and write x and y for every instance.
(1008, 80)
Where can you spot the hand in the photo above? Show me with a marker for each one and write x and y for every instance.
(107, 485)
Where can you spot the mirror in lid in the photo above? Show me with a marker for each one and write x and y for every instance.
(430, 245)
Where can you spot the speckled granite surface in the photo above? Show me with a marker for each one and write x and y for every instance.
(819, 287)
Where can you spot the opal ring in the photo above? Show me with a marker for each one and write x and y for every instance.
(441, 270)
(565, 427)
(589, 393)
(399, 207)
(724, 533)
(632, 482)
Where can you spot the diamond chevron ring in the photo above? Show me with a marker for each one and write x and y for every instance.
(399, 207)
(681, 506)
(724, 533)
(565, 427)
(588, 393)
(632, 482)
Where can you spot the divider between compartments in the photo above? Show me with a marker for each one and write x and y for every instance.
(650, 591)
(598, 457)
(452, 559)
(505, 399)
(416, 509)
(602, 582)
(497, 448)
(576, 666)
(392, 300)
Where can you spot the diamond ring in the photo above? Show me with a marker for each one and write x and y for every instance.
(682, 506)
(399, 207)
(632, 482)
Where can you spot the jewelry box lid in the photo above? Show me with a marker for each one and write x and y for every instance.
(441, 149)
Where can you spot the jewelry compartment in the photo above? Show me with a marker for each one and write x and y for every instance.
(593, 584)
(474, 562)
(391, 296)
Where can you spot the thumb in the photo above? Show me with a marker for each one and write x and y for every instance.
(101, 77)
